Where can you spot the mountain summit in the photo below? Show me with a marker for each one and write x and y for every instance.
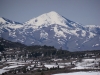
(52, 29)
(48, 19)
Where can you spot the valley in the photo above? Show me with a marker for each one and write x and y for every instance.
(49, 44)
(19, 59)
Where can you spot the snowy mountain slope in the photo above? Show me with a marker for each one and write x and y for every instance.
(8, 28)
(7, 21)
(51, 29)
(93, 28)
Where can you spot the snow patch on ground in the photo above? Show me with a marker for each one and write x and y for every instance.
(95, 45)
(79, 73)
(10, 67)
(52, 66)
(3, 71)
(87, 64)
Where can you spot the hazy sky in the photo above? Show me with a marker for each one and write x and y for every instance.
(86, 12)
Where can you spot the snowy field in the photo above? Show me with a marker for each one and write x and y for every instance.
(79, 73)
(2, 71)
(84, 64)
(87, 64)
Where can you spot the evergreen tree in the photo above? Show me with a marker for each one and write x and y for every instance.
(42, 73)
(1, 48)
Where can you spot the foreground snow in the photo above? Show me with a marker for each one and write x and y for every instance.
(2, 71)
(79, 73)
(52, 66)
(11, 67)
(87, 64)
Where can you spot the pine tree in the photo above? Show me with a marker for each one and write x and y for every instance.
(42, 73)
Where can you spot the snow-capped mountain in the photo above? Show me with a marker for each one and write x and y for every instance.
(52, 29)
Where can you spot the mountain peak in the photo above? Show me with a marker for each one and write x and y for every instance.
(53, 13)
(48, 19)
(2, 20)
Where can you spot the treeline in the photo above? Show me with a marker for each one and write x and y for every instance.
(44, 51)
(33, 51)
(47, 51)
(8, 44)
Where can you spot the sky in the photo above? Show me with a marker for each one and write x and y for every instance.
(86, 12)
